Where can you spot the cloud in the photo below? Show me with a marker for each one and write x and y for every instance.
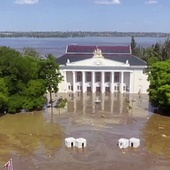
(108, 2)
(151, 2)
(29, 2)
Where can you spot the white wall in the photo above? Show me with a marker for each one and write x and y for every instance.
(69, 76)
(140, 82)
(63, 85)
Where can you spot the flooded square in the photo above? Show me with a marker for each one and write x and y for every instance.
(36, 140)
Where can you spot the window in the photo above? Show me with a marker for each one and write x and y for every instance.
(116, 88)
(107, 89)
(88, 76)
(79, 76)
(79, 88)
(116, 77)
(70, 87)
(98, 76)
(107, 77)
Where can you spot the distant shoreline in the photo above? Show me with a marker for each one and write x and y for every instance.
(76, 34)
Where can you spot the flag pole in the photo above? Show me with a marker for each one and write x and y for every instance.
(11, 167)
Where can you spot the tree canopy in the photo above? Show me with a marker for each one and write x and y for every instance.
(25, 78)
(159, 91)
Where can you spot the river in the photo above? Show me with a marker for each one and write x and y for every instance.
(57, 46)
(36, 140)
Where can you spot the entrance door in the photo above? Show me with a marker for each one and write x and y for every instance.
(98, 89)
(88, 89)
(107, 89)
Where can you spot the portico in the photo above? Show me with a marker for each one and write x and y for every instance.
(98, 81)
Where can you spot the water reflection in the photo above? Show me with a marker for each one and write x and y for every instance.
(111, 106)
(85, 103)
(25, 134)
(157, 135)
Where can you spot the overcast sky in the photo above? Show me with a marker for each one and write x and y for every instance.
(85, 15)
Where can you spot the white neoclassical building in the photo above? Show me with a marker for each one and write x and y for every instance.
(102, 69)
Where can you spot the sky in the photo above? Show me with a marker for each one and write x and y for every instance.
(85, 15)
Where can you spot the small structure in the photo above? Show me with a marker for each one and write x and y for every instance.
(81, 143)
(134, 142)
(70, 142)
(123, 143)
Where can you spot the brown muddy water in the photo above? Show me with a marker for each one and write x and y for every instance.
(36, 140)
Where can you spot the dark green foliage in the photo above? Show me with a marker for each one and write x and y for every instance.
(159, 91)
(15, 103)
(3, 95)
(25, 78)
(133, 46)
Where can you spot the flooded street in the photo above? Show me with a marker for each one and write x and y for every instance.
(36, 140)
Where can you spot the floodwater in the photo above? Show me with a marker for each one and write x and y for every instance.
(36, 140)
(57, 46)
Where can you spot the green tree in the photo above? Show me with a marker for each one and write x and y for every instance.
(157, 50)
(25, 78)
(15, 103)
(133, 46)
(150, 56)
(33, 95)
(3, 95)
(165, 55)
(159, 91)
(140, 52)
(50, 72)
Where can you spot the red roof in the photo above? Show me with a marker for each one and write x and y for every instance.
(104, 49)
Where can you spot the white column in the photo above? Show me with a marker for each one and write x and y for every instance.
(131, 82)
(74, 82)
(102, 82)
(112, 83)
(121, 83)
(65, 82)
(83, 82)
(93, 82)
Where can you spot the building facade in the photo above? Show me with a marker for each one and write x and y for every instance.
(102, 69)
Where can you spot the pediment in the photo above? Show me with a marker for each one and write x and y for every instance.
(99, 62)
